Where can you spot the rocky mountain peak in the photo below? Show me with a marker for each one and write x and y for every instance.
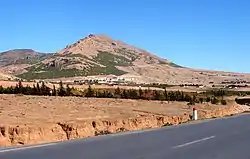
(93, 44)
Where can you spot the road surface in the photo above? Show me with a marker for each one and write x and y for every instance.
(227, 138)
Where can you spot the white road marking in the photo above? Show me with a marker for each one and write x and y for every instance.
(193, 142)
(26, 147)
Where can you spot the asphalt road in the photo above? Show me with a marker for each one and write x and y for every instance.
(227, 138)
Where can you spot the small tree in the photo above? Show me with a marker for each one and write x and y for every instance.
(124, 94)
(20, 86)
(147, 94)
(166, 94)
(187, 98)
(223, 102)
(1, 89)
(117, 93)
(215, 100)
(34, 90)
(61, 91)
(140, 93)
(132, 94)
(16, 89)
(54, 92)
(43, 89)
(208, 99)
(104, 93)
(38, 90)
(90, 92)
(10, 90)
(28, 90)
(201, 100)
(191, 103)
(157, 95)
(194, 98)
(222, 94)
(68, 91)
(110, 95)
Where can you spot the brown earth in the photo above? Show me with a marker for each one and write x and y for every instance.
(37, 119)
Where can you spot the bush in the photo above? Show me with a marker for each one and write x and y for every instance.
(167, 124)
(214, 100)
(61, 90)
(104, 132)
(223, 102)
(201, 100)
(191, 103)
(208, 99)
(89, 92)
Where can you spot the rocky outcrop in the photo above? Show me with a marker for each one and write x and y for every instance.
(31, 134)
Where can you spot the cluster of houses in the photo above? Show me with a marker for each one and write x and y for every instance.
(105, 79)
(98, 79)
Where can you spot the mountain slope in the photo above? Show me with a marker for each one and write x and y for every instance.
(93, 55)
(101, 55)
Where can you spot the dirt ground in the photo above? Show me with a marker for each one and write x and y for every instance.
(18, 109)
(39, 119)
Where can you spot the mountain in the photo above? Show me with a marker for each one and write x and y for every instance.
(18, 56)
(102, 55)
(93, 55)
(15, 61)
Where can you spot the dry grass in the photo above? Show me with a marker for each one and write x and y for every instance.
(19, 110)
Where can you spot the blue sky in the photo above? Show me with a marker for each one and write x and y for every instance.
(207, 34)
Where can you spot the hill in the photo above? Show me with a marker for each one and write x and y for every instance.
(15, 61)
(102, 55)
